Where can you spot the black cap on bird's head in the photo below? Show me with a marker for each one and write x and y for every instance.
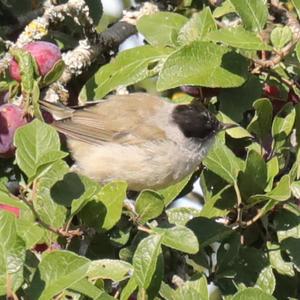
(195, 121)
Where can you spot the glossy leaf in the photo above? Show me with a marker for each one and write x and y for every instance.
(237, 37)
(189, 63)
(179, 237)
(149, 205)
(166, 33)
(129, 67)
(254, 13)
(197, 28)
(37, 146)
(145, 259)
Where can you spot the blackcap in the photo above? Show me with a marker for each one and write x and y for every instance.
(140, 138)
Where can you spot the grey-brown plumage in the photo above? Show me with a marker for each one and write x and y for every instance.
(140, 138)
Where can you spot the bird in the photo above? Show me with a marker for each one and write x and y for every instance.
(143, 139)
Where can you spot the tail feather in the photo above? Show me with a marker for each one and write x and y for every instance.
(58, 111)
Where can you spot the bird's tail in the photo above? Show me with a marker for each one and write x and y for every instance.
(57, 110)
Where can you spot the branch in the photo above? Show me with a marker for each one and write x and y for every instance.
(294, 25)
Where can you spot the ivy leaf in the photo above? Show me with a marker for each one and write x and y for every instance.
(129, 67)
(237, 37)
(280, 36)
(189, 63)
(254, 13)
(37, 145)
(179, 237)
(145, 259)
(197, 27)
(149, 205)
(166, 33)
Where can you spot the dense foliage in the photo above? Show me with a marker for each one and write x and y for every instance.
(63, 236)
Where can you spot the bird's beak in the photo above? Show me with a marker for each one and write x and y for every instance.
(227, 126)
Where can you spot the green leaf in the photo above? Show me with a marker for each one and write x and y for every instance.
(37, 145)
(12, 254)
(237, 37)
(54, 74)
(129, 288)
(292, 246)
(225, 8)
(49, 211)
(179, 238)
(166, 33)
(30, 232)
(297, 48)
(145, 259)
(297, 127)
(266, 280)
(5, 198)
(227, 254)
(277, 262)
(295, 187)
(57, 271)
(170, 193)
(149, 205)
(283, 124)
(197, 27)
(208, 231)
(253, 179)
(235, 102)
(261, 123)
(237, 132)
(105, 209)
(280, 36)
(252, 294)
(112, 269)
(287, 224)
(222, 161)
(195, 289)
(129, 67)
(74, 190)
(189, 63)
(281, 192)
(272, 171)
(27, 68)
(296, 4)
(35, 97)
(181, 215)
(254, 13)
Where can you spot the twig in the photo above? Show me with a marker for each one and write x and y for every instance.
(145, 229)
(294, 25)
(239, 204)
(254, 219)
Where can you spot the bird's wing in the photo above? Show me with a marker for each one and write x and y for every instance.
(127, 119)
